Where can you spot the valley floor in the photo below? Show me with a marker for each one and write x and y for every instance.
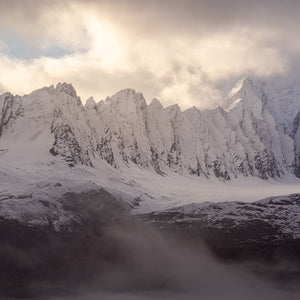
(175, 190)
(143, 190)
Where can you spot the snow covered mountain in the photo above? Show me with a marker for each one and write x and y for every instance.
(52, 144)
(69, 174)
(255, 132)
(239, 138)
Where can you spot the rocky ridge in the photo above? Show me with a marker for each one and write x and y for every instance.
(252, 133)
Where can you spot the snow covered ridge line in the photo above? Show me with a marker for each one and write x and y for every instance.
(255, 132)
(63, 213)
(280, 215)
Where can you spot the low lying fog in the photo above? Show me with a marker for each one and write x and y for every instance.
(152, 265)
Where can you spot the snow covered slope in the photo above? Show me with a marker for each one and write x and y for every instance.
(282, 213)
(247, 136)
(50, 143)
(241, 138)
(265, 230)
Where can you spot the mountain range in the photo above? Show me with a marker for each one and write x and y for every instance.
(92, 196)
(50, 143)
(254, 132)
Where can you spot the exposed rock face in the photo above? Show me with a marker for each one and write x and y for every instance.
(253, 133)
(64, 212)
(267, 229)
(282, 213)
(11, 109)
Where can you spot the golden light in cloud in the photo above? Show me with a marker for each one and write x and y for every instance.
(238, 51)
(106, 45)
(108, 56)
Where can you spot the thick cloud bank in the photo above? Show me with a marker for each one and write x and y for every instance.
(185, 52)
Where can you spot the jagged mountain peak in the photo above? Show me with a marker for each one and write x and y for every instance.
(241, 137)
(63, 94)
(248, 94)
(156, 103)
(173, 108)
(127, 101)
(125, 94)
(6, 95)
(66, 88)
(192, 110)
(246, 84)
(90, 103)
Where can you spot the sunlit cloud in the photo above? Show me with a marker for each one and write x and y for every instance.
(100, 54)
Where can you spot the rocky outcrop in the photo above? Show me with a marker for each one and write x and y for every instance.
(10, 109)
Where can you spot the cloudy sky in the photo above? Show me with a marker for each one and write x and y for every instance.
(188, 52)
